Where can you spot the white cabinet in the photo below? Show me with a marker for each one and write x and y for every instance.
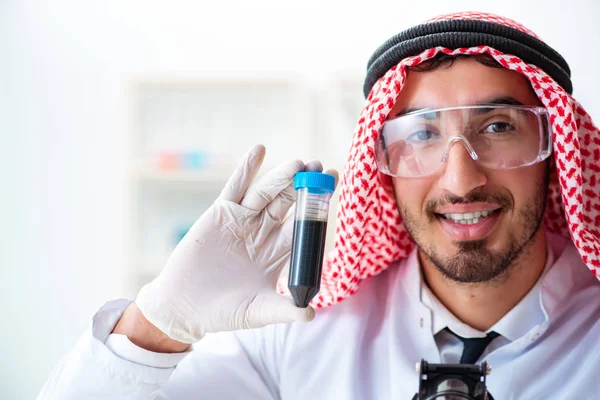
(188, 134)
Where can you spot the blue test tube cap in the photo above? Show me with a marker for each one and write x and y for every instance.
(316, 181)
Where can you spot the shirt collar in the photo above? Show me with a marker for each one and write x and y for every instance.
(527, 314)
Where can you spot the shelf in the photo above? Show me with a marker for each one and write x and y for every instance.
(212, 177)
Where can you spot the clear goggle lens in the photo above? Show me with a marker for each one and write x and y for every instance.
(497, 136)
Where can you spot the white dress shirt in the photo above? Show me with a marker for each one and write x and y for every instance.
(522, 318)
(363, 348)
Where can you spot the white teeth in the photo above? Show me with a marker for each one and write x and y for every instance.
(468, 218)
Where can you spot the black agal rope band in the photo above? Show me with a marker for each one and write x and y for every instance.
(466, 33)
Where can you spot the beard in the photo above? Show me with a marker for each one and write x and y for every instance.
(474, 261)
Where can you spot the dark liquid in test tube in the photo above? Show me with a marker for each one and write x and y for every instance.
(306, 260)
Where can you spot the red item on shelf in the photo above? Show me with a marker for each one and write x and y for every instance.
(168, 161)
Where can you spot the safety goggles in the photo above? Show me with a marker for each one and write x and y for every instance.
(496, 136)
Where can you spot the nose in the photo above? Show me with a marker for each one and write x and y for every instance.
(461, 174)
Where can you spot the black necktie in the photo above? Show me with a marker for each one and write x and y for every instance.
(474, 347)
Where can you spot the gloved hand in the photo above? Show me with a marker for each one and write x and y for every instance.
(222, 275)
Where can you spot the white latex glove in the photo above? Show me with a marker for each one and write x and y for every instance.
(222, 276)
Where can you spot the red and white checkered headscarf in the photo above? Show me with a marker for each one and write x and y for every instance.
(370, 234)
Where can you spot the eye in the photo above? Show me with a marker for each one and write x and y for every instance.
(499, 127)
(420, 136)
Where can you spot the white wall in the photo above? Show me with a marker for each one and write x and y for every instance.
(64, 70)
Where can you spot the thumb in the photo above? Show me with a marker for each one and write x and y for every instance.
(272, 308)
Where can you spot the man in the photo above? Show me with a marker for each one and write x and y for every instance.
(470, 147)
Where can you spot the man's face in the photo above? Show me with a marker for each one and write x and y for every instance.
(483, 251)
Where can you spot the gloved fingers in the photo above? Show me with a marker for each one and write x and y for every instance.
(243, 175)
(335, 174)
(280, 250)
(280, 247)
(270, 185)
(278, 208)
(285, 235)
(272, 308)
(314, 166)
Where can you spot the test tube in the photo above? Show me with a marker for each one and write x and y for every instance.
(313, 192)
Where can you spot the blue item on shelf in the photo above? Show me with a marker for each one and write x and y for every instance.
(194, 159)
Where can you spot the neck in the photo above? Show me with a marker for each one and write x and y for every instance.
(481, 305)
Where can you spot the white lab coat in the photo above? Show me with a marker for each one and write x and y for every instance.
(364, 348)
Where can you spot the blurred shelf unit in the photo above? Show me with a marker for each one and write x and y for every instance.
(206, 177)
(345, 100)
(188, 135)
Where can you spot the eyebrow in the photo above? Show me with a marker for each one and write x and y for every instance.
(508, 100)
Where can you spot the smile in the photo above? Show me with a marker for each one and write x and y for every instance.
(468, 218)
(473, 225)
